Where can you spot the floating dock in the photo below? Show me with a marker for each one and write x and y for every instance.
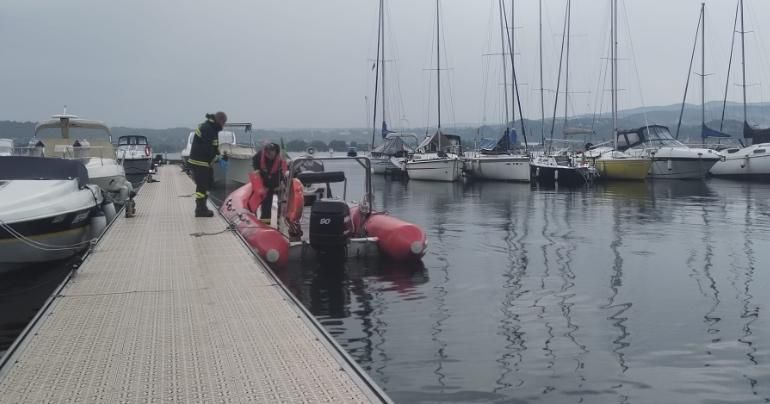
(156, 313)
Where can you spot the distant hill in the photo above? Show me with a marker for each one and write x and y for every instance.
(174, 139)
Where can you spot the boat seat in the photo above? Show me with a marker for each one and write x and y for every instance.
(325, 177)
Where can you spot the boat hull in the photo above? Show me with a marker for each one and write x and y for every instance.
(235, 171)
(439, 169)
(60, 230)
(499, 168)
(562, 176)
(140, 166)
(680, 168)
(383, 166)
(623, 169)
(748, 164)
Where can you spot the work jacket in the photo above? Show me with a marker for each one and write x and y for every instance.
(205, 145)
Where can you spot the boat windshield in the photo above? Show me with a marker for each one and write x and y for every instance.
(659, 136)
(132, 140)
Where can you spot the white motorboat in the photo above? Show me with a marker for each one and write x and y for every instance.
(48, 210)
(748, 163)
(6, 147)
(390, 156)
(236, 159)
(438, 158)
(496, 161)
(136, 154)
(670, 158)
(97, 154)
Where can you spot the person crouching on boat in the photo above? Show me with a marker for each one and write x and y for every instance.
(271, 166)
(204, 152)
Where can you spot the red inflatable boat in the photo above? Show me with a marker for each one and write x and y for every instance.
(332, 227)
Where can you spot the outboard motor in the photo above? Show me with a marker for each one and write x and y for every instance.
(330, 226)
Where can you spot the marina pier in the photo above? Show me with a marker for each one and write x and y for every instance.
(168, 307)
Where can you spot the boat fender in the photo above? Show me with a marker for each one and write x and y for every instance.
(668, 165)
(98, 223)
(109, 210)
(296, 202)
(556, 175)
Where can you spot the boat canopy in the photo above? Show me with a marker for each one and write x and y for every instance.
(646, 136)
(707, 132)
(756, 135)
(392, 146)
(64, 122)
(502, 145)
(441, 142)
(38, 168)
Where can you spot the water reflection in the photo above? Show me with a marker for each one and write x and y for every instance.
(604, 294)
(23, 292)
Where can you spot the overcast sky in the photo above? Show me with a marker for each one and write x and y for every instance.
(306, 63)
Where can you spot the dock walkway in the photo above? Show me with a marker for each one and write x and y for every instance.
(155, 314)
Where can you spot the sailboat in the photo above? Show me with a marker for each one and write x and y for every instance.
(611, 163)
(560, 167)
(439, 157)
(389, 156)
(751, 162)
(496, 159)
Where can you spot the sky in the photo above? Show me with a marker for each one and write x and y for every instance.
(307, 63)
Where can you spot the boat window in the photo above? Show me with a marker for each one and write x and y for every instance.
(141, 141)
(622, 141)
(632, 138)
(733, 150)
(760, 151)
(123, 141)
(660, 136)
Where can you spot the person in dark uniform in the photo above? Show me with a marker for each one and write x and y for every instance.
(204, 152)
(270, 166)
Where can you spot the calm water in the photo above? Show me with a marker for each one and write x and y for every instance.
(643, 293)
(631, 293)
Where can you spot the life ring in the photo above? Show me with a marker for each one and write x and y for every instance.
(296, 202)
(147, 150)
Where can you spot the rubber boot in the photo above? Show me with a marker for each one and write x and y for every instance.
(201, 210)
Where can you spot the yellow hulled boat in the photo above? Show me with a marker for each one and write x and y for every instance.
(615, 165)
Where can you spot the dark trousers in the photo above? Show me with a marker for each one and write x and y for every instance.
(267, 204)
(204, 179)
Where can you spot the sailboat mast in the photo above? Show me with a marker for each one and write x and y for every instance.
(512, 47)
(743, 65)
(505, 65)
(382, 34)
(542, 90)
(566, 73)
(614, 62)
(438, 63)
(703, 65)
(376, 76)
